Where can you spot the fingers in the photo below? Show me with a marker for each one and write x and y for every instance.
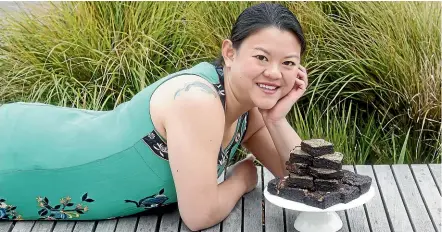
(303, 75)
(303, 69)
(300, 83)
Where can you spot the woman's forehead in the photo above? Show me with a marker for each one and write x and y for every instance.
(274, 41)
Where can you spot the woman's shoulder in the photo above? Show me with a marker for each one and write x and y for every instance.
(193, 84)
(186, 93)
(187, 85)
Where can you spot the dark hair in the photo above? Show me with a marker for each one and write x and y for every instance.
(261, 16)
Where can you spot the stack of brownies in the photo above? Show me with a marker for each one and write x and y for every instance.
(316, 177)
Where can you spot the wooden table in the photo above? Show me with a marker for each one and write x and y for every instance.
(408, 198)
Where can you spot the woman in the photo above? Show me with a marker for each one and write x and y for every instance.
(169, 143)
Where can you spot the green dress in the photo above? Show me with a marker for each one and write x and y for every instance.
(62, 163)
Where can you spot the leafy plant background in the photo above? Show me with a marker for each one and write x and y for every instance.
(374, 67)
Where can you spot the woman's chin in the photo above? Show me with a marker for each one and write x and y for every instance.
(265, 105)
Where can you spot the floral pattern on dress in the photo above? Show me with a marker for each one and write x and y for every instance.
(220, 86)
(155, 200)
(222, 157)
(157, 145)
(8, 212)
(65, 210)
(244, 126)
(222, 93)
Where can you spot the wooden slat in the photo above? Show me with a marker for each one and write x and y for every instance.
(147, 223)
(412, 199)
(274, 220)
(436, 171)
(64, 226)
(5, 226)
(393, 202)
(43, 226)
(106, 225)
(253, 216)
(357, 219)
(84, 226)
(23, 226)
(233, 222)
(429, 192)
(375, 207)
(127, 224)
(170, 221)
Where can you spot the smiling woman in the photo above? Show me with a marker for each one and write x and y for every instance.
(270, 59)
(170, 142)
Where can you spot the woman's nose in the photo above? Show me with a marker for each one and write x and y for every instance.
(273, 72)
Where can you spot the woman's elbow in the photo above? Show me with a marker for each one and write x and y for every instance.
(197, 220)
(193, 226)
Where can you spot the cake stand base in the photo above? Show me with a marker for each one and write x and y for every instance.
(312, 219)
(318, 222)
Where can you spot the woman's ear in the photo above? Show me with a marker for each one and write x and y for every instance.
(228, 52)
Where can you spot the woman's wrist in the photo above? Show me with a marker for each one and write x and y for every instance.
(273, 123)
(285, 139)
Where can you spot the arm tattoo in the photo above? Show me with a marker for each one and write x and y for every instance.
(199, 85)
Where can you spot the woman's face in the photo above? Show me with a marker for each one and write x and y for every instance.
(264, 68)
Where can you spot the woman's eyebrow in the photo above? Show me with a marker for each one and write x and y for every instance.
(268, 53)
(263, 50)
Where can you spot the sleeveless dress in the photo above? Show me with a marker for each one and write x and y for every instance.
(60, 163)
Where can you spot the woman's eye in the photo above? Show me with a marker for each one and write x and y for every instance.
(261, 57)
(290, 63)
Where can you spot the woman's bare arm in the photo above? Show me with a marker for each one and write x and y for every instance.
(195, 128)
(264, 140)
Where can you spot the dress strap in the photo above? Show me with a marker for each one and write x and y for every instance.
(220, 86)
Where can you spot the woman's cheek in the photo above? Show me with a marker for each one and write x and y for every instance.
(285, 91)
(290, 80)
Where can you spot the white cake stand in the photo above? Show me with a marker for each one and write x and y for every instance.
(312, 219)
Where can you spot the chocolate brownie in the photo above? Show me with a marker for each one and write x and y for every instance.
(326, 185)
(299, 156)
(274, 185)
(329, 161)
(361, 181)
(322, 173)
(297, 181)
(321, 199)
(293, 194)
(317, 147)
(348, 193)
(299, 169)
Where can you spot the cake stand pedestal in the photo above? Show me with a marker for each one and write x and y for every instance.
(312, 219)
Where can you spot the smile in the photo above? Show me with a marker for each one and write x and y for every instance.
(269, 89)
